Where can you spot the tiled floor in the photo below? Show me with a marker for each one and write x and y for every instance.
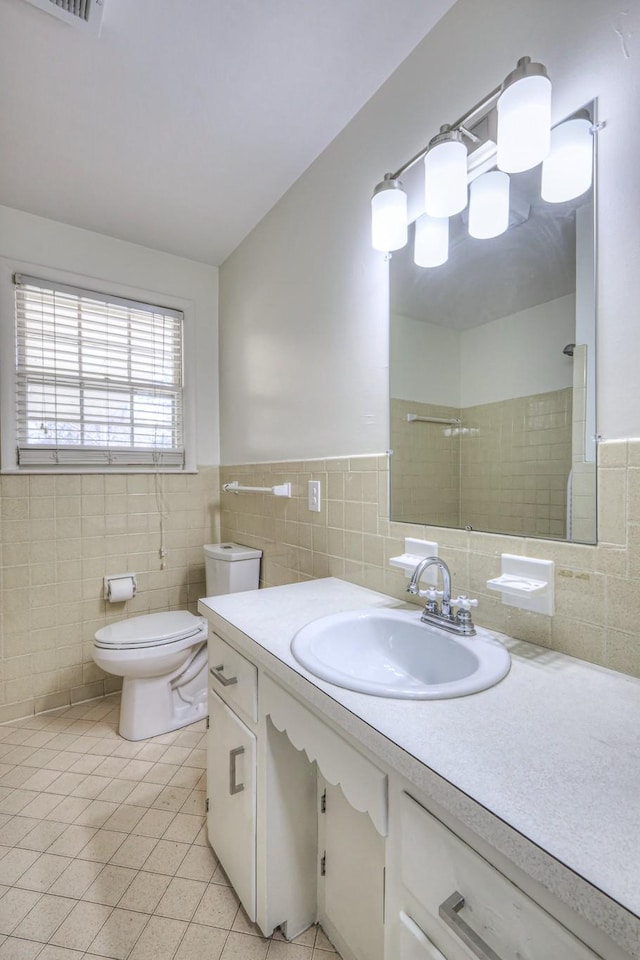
(103, 851)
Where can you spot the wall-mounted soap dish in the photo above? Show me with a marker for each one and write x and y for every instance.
(526, 582)
(414, 552)
(517, 586)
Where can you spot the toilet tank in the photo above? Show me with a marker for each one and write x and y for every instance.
(230, 568)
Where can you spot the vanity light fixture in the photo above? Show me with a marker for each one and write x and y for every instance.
(567, 171)
(389, 230)
(524, 117)
(445, 168)
(522, 106)
(489, 205)
(431, 241)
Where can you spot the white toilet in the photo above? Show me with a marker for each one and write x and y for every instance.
(163, 656)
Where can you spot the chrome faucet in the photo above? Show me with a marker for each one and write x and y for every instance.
(441, 615)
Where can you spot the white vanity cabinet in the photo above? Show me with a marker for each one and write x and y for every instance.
(315, 820)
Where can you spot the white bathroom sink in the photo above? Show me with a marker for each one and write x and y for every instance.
(391, 653)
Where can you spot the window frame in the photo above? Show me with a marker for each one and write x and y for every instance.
(8, 373)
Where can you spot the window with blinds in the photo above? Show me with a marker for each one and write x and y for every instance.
(99, 379)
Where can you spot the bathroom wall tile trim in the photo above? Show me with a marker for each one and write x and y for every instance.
(597, 614)
(61, 534)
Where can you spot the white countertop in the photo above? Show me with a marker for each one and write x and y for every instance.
(553, 750)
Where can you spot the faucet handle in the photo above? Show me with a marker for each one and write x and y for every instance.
(464, 603)
(431, 593)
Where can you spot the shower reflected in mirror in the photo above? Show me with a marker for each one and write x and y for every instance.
(492, 374)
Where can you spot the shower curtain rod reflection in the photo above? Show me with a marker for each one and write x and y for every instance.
(452, 421)
(280, 490)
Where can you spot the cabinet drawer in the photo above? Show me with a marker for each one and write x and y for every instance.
(414, 943)
(437, 864)
(233, 677)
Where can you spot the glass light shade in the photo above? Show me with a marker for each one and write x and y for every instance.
(568, 170)
(524, 124)
(489, 205)
(389, 229)
(431, 243)
(445, 185)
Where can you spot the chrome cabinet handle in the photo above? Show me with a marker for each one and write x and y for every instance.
(234, 787)
(449, 911)
(217, 673)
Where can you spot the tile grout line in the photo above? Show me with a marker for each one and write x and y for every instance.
(175, 792)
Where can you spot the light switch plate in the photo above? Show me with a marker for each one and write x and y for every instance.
(314, 496)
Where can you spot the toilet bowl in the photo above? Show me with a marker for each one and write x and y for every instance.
(162, 658)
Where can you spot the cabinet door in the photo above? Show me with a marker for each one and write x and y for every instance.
(352, 877)
(231, 786)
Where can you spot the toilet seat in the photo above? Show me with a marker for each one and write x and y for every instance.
(151, 630)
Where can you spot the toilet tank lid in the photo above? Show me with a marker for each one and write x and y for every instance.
(153, 628)
(231, 551)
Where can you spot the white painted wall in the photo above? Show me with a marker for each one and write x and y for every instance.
(519, 355)
(304, 298)
(116, 265)
(513, 356)
(424, 361)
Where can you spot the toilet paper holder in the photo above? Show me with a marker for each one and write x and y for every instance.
(119, 587)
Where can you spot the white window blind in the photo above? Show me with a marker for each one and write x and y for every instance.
(99, 379)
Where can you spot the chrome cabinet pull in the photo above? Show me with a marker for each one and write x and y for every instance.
(217, 673)
(449, 911)
(234, 787)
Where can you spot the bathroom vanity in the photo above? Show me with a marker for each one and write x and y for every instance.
(499, 825)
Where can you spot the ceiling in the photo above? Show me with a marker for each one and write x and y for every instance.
(185, 121)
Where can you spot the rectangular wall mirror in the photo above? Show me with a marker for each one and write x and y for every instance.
(492, 374)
